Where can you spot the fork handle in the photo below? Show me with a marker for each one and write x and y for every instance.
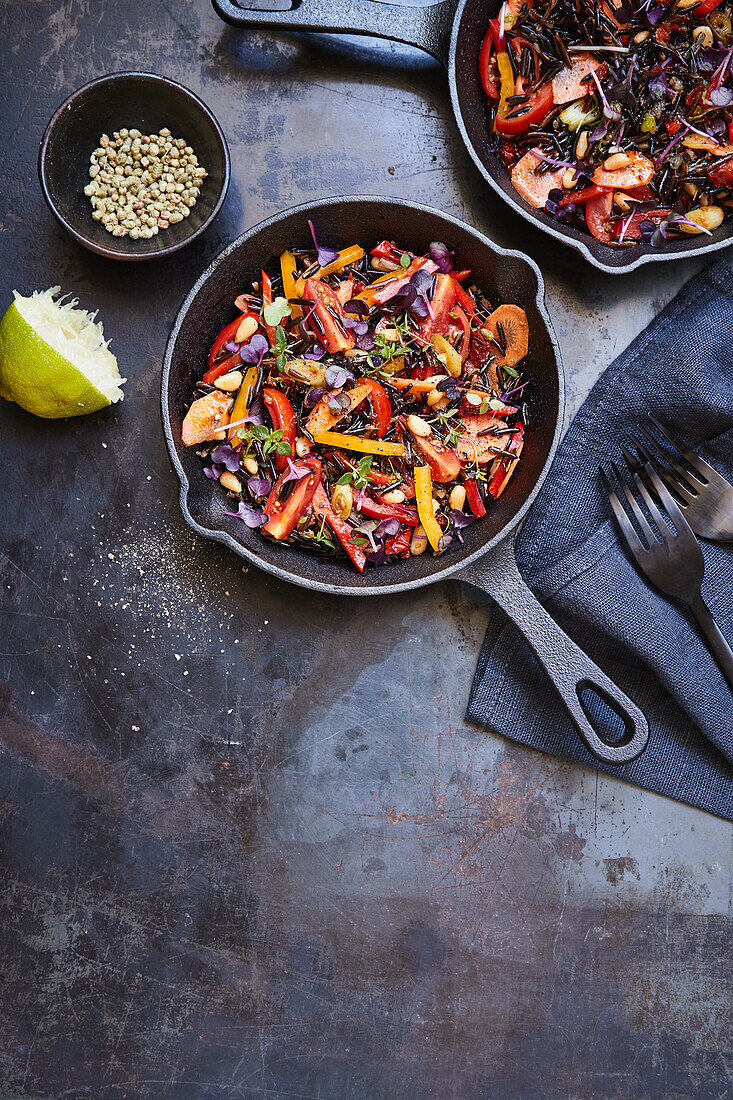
(721, 650)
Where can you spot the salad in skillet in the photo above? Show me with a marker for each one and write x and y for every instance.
(363, 406)
(616, 116)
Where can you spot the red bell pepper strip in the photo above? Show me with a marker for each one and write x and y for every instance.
(441, 304)
(399, 543)
(266, 301)
(706, 7)
(232, 362)
(585, 195)
(465, 301)
(460, 276)
(386, 250)
(282, 515)
(381, 405)
(377, 510)
(227, 333)
(342, 531)
(474, 498)
(540, 104)
(507, 466)
(328, 314)
(282, 415)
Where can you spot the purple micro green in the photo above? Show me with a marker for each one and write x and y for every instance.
(361, 309)
(317, 352)
(609, 112)
(441, 255)
(313, 396)
(223, 455)
(213, 473)
(325, 255)
(336, 377)
(253, 517)
(259, 486)
(295, 473)
(254, 351)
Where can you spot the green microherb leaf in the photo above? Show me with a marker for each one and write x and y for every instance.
(283, 448)
(276, 311)
(405, 260)
(511, 372)
(346, 478)
(358, 540)
(485, 406)
(495, 404)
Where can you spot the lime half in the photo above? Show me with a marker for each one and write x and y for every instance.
(54, 360)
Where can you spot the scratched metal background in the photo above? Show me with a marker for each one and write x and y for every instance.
(249, 847)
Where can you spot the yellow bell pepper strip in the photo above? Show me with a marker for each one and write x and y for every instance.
(267, 301)
(356, 443)
(506, 78)
(424, 494)
(288, 267)
(447, 354)
(241, 403)
(346, 256)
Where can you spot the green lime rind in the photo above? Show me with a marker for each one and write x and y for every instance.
(39, 378)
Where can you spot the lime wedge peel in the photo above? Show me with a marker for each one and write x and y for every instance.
(54, 360)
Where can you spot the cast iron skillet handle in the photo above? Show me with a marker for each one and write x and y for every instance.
(428, 28)
(568, 667)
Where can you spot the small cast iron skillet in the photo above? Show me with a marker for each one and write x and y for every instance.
(486, 558)
(452, 31)
(146, 102)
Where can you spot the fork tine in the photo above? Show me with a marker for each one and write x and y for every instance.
(695, 461)
(641, 519)
(627, 529)
(691, 479)
(632, 461)
(682, 527)
(666, 476)
(664, 531)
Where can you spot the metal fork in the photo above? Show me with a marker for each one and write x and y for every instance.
(704, 495)
(674, 564)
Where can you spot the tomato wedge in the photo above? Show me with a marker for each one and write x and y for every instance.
(597, 215)
(721, 175)
(638, 173)
(443, 462)
(488, 71)
(633, 222)
(328, 316)
(282, 515)
(540, 104)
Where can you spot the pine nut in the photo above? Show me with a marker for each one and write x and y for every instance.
(622, 201)
(248, 327)
(708, 217)
(230, 482)
(641, 37)
(568, 179)
(419, 541)
(418, 426)
(690, 188)
(394, 496)
(457, 498)
(616, 161)
(705, 34)
(342, 501)
(219, 436)
(380, 264)
(229, 382)
(581, 147)
(250, 465)
(302, 446)
(436, 398)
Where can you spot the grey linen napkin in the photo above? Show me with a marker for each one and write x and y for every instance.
(680, 368)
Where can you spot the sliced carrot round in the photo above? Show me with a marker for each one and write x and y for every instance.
(534, 187)
(637, 173)
(513, 321)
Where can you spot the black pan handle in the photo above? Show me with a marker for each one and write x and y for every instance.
(568, 667)
(428, 28)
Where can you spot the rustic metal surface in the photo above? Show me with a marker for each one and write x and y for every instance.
(248, 846)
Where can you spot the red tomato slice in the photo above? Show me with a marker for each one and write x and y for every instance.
(636, 174)
(569, 84)
(597, 215)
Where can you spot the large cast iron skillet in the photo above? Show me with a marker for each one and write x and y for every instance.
(452, 32)
(486, 559)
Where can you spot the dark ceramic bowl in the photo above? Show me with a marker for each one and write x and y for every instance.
(133, 100)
